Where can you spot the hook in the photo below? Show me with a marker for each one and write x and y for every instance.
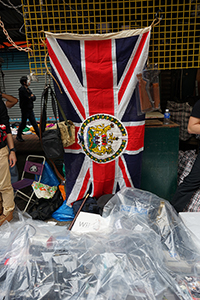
(157, 20)
(156, 15)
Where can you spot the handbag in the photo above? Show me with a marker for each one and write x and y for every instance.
(50, 139)
(67, 138)
(52, 144)
(67, 127)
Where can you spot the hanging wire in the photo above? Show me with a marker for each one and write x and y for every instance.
(12, 6)
(20, 30)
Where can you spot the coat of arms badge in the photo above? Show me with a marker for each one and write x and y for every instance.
(102, 137)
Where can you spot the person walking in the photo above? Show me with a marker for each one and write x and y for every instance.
(7, 159)
(26, 99)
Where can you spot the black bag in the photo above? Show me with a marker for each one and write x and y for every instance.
(43, 208)
(50, 138)
(90, 206)
(52, 143)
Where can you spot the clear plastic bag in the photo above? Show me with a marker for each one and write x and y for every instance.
(147, 253)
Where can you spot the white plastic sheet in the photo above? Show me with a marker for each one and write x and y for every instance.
(192, 221)
(145, 253)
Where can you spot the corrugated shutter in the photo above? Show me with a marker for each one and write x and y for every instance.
(14, 60)
(12, 84)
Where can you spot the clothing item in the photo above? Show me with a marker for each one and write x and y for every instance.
(27, 115)
(191, 183)
(196, 110)
(4, 119)
(5, 182)
(25, 98)
(7, 217)
(183, 84)
(180, 114)
(14, 174)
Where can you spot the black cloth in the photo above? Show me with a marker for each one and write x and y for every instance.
(196, 110)
(183, 84)
(191, 183)
(25, 98)
(4, 119)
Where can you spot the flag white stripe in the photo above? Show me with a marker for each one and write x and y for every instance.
(133, 80)
(79, 181)
(71, 75)
(133, 152)
(114, 68)
(83, 67)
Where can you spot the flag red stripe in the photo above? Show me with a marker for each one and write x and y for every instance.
(66, 81)
(98, 61)
(123, 169)
(84, 186)
(103, 178)
(100, 100)
(132, 67)
(135, 137)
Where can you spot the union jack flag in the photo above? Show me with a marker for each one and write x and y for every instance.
(97, 74)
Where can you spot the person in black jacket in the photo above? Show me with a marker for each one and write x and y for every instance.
(6, 191)
(26, 99)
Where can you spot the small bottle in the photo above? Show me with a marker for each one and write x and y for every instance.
(166, 117)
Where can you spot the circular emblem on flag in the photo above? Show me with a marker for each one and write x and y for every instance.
(103, 138)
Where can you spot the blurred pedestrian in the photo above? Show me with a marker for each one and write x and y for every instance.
(26, 99)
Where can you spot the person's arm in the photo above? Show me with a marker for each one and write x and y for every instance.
(12, 155)
(11, 101)
(194, 125)
(33, 97)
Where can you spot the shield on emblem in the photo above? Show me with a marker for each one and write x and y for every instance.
(102, 137)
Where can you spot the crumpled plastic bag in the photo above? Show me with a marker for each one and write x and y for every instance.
(64, 213)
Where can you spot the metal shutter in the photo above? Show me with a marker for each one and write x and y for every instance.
(12, 84)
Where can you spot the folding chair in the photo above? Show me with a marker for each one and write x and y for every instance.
(32, 168)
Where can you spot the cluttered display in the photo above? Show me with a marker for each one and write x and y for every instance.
(138, 249)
